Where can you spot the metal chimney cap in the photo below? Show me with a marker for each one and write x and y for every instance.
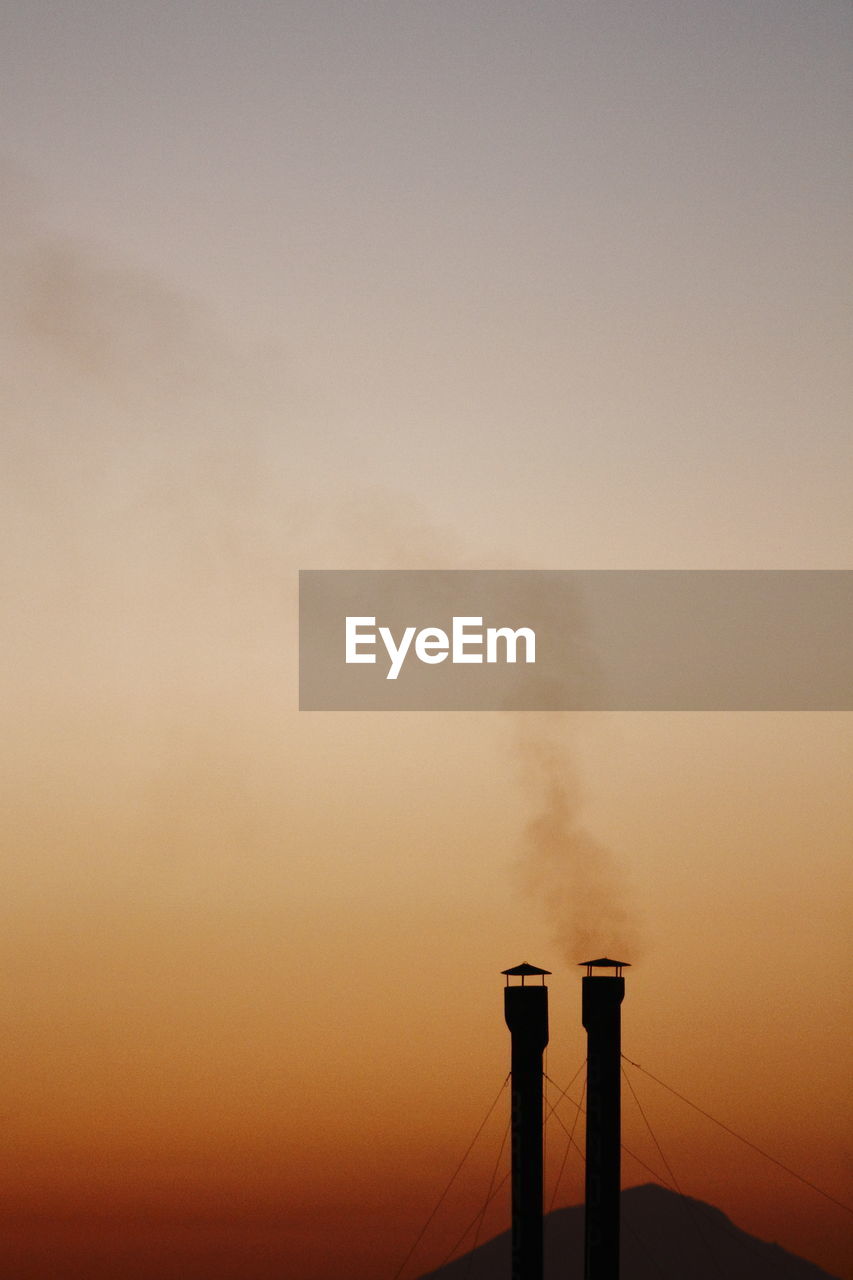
(525, 970)
(604, 962)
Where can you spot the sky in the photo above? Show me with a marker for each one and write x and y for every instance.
(370, 285)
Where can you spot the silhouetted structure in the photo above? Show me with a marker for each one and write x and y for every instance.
(526, 1013)
(601, 1012)
(665, 1236)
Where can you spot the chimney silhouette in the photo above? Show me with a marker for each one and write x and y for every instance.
(601, 1004)
(526, 1014)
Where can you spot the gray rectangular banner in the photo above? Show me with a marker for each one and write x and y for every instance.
(575, 640)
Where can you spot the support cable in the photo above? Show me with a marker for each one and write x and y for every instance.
(715, 1262)
(820, 1191)
(628, 1152)
(571, 1135)
(568, 1147)
(482, 1214)
(564, 1092)
(453, 1178)
(580, 1111)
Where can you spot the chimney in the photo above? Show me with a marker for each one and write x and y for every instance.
(526, 1013)
(602, 1000)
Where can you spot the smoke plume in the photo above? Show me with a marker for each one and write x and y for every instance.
(582, 883)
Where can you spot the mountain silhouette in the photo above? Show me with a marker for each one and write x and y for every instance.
(664, 1237)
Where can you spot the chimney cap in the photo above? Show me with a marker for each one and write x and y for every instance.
(525, 970)
(604, 962)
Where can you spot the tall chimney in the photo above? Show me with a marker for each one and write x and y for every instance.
(526, 1013)
(602, 1000)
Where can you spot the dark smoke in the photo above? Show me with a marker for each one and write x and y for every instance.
(583, 884)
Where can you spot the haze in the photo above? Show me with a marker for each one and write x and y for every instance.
(331, 285)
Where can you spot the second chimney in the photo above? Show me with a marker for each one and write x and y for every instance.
(602, 1018)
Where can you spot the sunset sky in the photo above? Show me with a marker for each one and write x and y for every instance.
(449, 284)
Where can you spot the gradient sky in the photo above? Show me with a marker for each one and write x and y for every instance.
(554, 285)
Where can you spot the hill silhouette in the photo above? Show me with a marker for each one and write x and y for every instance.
(664, 1237)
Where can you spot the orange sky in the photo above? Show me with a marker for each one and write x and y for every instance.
(465, 286)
